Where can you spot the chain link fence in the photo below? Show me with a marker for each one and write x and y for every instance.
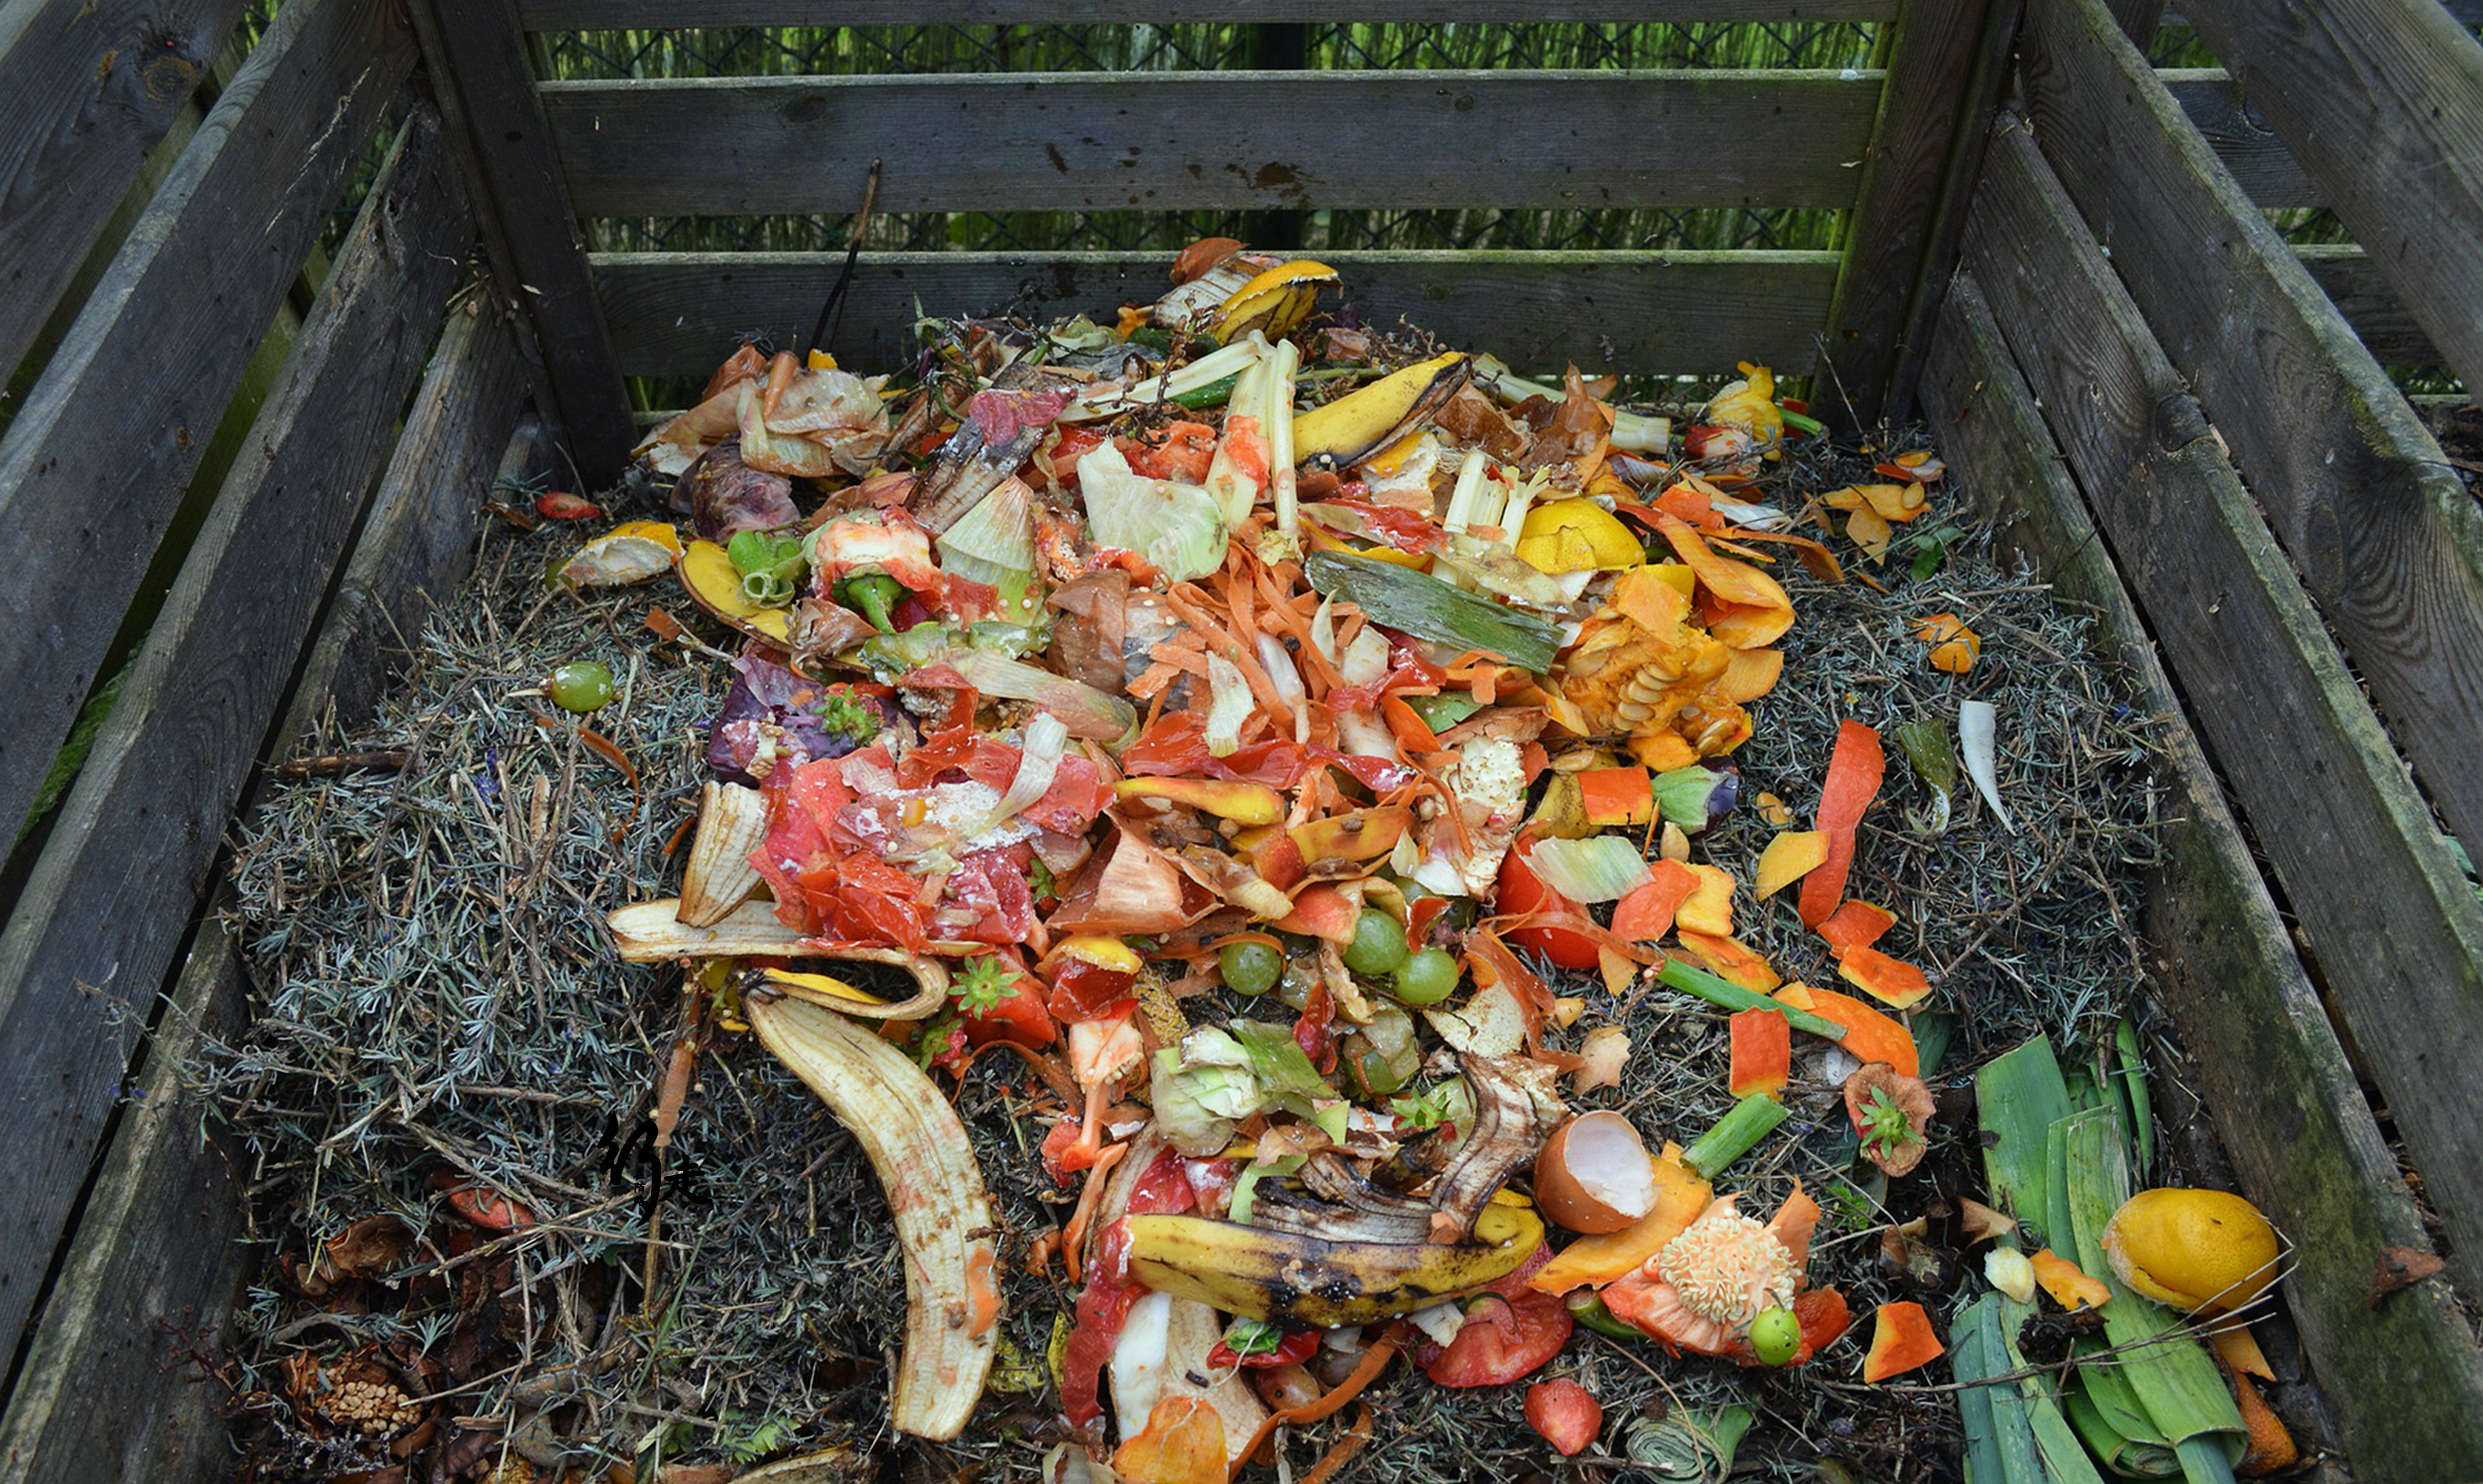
(1321, 46)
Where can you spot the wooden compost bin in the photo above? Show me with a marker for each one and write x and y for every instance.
(2061, 261)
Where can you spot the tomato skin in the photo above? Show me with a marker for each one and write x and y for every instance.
(1564, 1414)
(1298, 1346)
(1180, 451)
(1505, 1341)
(1521, 892)
(1019, 1015)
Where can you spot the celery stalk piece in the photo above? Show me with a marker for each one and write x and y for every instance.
(1280, 448)
(1751, 1120)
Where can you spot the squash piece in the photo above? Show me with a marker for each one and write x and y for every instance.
(1789, 858)
(2067, 1282)
(1709, 908)
(1892, 982)
(1869, 1035)
(1646, 912)
(1762, 1054)
(1856, 767)
(1902, 1340)
(1857, 924)
(1617, 796)
(1680, 1198)
(1728, 960)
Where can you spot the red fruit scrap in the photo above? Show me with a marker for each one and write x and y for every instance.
(1564, 1414)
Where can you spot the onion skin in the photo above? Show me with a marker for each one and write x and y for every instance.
(1566, 1195)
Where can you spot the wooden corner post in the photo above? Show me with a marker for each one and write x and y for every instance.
(486, 90)
(1944, 77)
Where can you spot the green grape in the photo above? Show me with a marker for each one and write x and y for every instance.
(580, 686)
(1776, 1336)
(1428, 978)
(1378, 944)
(1249, 968)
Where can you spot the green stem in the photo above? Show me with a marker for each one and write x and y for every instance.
(1793, 419)
(1726, 994)
(1751, 1120)
(1588, 1309)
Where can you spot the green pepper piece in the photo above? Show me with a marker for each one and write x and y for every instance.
(872, 594)
(1214, 393)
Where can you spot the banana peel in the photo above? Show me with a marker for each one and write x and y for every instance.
(930, 985)
(653, 933)
(1263, 1273)
(944, 1217)
(1343, 432)
(1276, 303)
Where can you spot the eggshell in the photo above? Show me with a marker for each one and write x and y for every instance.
(1594, 1175)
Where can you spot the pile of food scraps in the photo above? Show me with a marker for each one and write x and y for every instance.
(1229, 889)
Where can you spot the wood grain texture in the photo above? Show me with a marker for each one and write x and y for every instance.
(486, 93)
(92, 84)
(2396, 935)
(677, 315)
(1225, 141)
(2388, 540)
(152, 1251)
(2245, 145)
(628, 15)
(106, 904)
(2381, 100)
(2369, 303)
(1944, 76)
(100, 454)
(2404, 1383)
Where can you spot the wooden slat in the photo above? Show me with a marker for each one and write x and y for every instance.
(2259, 160)
(486, 90)
(92, 84)
(2381, 100)
(106, 904)
(640, 14)
(2370, 303)
(2388, 542)
(153, 1253)
(676, 314)
(2397, 933)
(1227, 141)
(1944, 71)
(98, 457)
(2403, 1382)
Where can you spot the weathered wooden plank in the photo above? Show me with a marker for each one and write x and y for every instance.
(675, 314)
(638, 14)
(2397, 937)
(2404, 1381)
(2388, 542)
(151, 1255)
(486, 93)
(106, 905)
(94, 84)
(1224, 140)
(2369, 303)
(2381, 100)
(98, 460)
(2219, 109)
(1944, 71)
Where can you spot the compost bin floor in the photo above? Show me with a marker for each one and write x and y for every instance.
(437, 1005)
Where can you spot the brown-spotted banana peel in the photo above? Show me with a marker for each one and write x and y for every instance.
(943, 1218)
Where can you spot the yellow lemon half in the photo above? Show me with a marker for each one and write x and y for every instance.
(2205, 1249)
(1568, 536)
